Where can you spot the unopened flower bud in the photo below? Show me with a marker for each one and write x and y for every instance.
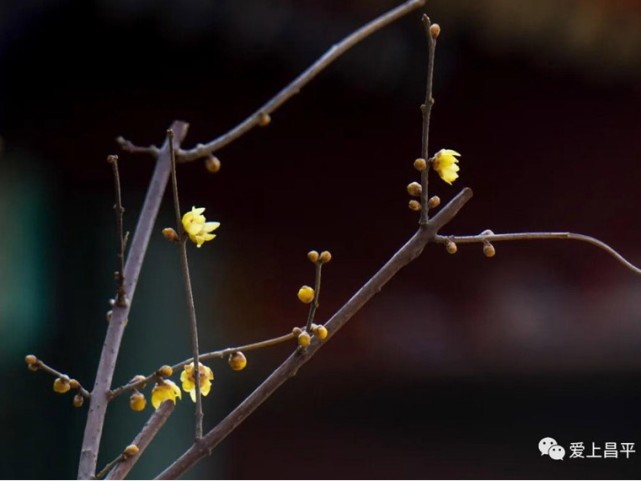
(325, 257)
(420, 164)
(435, 30)
(237, 361)
(433, 202)
(212, 164)
(131, 450)
(489, 250)
(137, 401)
(165, 371)
(61, 385)
(264, 119)
(320, 332)
(450, 247)
(306, 294)
(78, 400)
(296, 331)
(137, 378)
(30, 359)
(312, 256)
(414, 205)
(414, 189)
(304, 339)
(73, 384)
(170, 234)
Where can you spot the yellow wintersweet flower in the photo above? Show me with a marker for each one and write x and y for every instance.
(197, 227)
(164, 390)
(189, 380)
(444, 164)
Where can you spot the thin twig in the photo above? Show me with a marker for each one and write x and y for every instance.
(466, 239)
(143, 439)
(406, 254)
(121, 295)
(189, 294)
(111, 346)
(426, 109)
(129, 146)
(315, 302)
(41, 366)
(303, 79)
(220, 354)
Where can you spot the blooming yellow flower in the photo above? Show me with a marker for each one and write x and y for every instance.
(445, 165)
(197, 227)
(164, 390)
(189, 380)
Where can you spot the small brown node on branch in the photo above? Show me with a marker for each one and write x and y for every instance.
(165, 371)
(112, 158)
(304, 339)
(296, 331)
(61, 385)
(414, 205)
(488, 250)
(78, 400)
(137, 401)
(30, 359)
(420, 164)
(450, 247)
(325, 257)
(313, 256)
(237, 361)
(320, 332)
(139, 378)
(170, 234)
(433, 202)
(414, 189)
(74, 384)
(264, 119)
(213, 164)
(131, 450)
(435, 30)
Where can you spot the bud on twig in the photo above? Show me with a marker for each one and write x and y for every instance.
(450, 246)
(435, 30)
(414, 205)
(414, 189)
(325, 257)
(434, 202)
(420, 164)
(212, 164)
(264, 119)
(312, 256)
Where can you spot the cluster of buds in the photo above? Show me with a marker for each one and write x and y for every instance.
(304, 338)
(324, 257)
(62, 384)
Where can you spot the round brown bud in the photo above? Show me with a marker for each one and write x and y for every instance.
(489, 250)
(433, 202)
(131, 450)
(165, 371)
(137, 401)
(237, 361)
(450, 247)
(78, 400)
(320, 332)
(61, 385)
(73, 384)
(325, 257)
(30, 359)
(304, 339)
(435, 30)
(312, 256)
(414, 205)
(34, 367)
(414, 189)
(212, 164)
(420, 164)
(264, 119)
(170, 234)
(296, 331)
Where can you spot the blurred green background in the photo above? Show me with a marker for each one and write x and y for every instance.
(462, 364)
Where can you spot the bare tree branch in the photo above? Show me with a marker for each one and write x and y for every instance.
(303, 79)
(406, 254)
(111, 346)
(491, 237)
(143, 439)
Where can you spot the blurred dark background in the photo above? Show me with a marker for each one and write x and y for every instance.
(462, 364)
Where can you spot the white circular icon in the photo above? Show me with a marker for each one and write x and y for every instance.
(545, 444)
